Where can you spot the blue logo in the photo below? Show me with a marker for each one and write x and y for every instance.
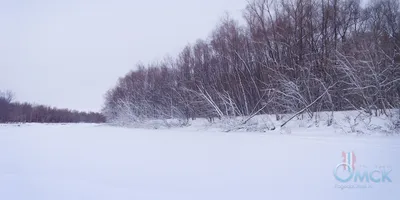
(346, 172)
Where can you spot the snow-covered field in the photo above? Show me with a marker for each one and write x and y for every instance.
(87, 161)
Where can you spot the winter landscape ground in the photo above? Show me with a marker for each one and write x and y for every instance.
(98, 161)
(286, 99)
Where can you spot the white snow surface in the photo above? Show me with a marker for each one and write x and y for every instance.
(100, 162)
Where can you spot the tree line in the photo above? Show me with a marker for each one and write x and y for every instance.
(11, 112)
(288, 56)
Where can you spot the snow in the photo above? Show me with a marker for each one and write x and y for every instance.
(89, 161)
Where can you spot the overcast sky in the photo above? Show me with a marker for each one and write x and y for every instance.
(68, 53)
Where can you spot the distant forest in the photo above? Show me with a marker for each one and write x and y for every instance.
(288, 56)
(11, 112)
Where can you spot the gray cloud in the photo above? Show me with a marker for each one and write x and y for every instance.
(67, 53)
